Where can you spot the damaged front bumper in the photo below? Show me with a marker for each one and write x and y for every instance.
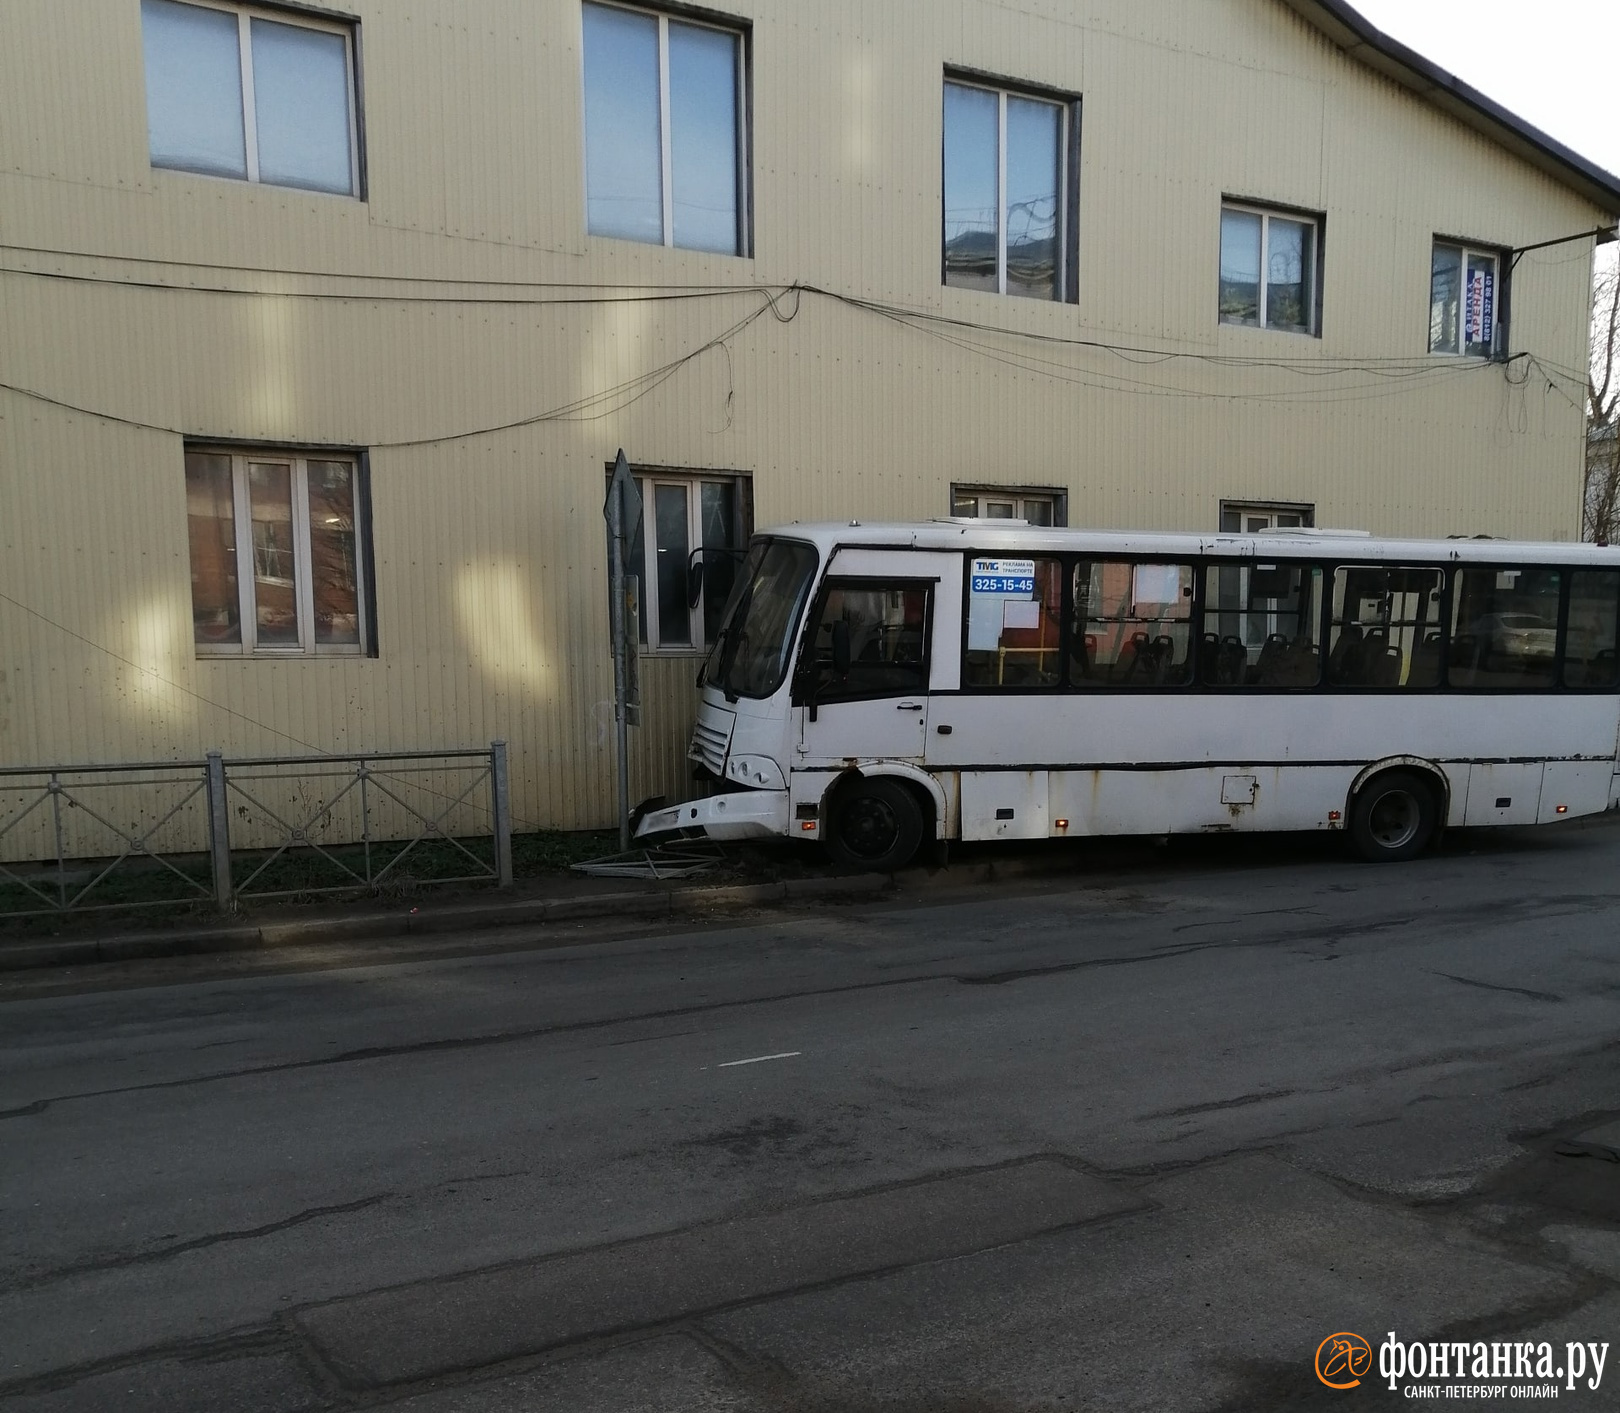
(742, 814)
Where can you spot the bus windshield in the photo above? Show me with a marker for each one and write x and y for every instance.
(750, 655)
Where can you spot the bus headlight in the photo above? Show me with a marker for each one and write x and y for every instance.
(756, 772)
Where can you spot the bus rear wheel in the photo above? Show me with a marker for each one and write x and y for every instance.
(875, 825)
(1395, 817)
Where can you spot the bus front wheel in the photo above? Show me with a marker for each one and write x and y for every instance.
(1395, 817)
(876, 825)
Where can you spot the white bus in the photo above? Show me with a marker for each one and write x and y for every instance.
(874, 686)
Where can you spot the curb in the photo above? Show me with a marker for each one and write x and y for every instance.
(653, 902)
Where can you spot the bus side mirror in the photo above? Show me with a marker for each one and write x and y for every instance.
(840, 649)
(694, 580)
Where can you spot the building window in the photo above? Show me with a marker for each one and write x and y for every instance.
(278, 544)
(686, 518)
(1463, 300)
(1037, 505)
(1008, 158)
(258, 95)
(1270, 269)
(665, 139)
(1254, 517)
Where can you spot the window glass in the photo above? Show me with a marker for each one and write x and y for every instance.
(1385, 627)
(275, 587)
(216, 605)
(672, 550)
(1289, 263)
(887, 626)
(1132, 624)
(721, 554)
(972, 180)
(623, 139)
(1015, 623)
(1589, 650)
(193, 88)
(1268, 270)
(1463, 300)
(760, 622)
(1445, 299)
(1260, 626)
(333, 564)
(295, 520)
(1504, 628)
(1240, 267)
(1034, 160)
(703, 137)
(685, 519)
(1238, 519)
(301, 106)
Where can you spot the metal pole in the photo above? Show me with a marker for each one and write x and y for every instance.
(55, 788)
(500, 791)
(219, 831)
(616, 588)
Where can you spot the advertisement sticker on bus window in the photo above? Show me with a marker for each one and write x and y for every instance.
(1157, 584)
(1021, 613)
(1004, 576)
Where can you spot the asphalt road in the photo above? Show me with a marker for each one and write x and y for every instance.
(1139, 1137)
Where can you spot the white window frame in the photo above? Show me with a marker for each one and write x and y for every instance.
(245, 15)
(1065, 115)
(303, 577)
(1302, 512)
(646, 482)
(1313, 328)
(1468, 252)
(1018, 497)
(666, 159)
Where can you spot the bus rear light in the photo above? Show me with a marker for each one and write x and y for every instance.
(1062, 824)
(1563, 809)
(808, 826)
(1334, 816)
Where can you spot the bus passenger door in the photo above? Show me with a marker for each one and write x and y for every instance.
(861, 686)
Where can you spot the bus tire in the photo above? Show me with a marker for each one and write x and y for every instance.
(1395, 816)
(875, 825)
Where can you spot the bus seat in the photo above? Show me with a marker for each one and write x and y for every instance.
(1133, 658)
(1386, 670)
(1233, 661)
(1346, 651)
(1272, 653)
(1369, 667)
(1426, 662)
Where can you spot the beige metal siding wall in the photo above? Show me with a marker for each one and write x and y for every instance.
(490, 549)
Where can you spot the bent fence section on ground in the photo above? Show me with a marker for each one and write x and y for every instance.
(79, 838)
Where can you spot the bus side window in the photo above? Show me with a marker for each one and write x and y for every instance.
(1594, 613)
(1260, 626)
(1132, 624)
(1015, 626)
(1385, 628)
(1504, 628)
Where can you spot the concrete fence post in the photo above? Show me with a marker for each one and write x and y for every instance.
(219, 832)
(500, 793)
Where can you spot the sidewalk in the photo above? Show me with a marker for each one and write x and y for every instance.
(532, 901)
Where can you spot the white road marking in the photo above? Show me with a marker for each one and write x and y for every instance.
(760, 1059)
